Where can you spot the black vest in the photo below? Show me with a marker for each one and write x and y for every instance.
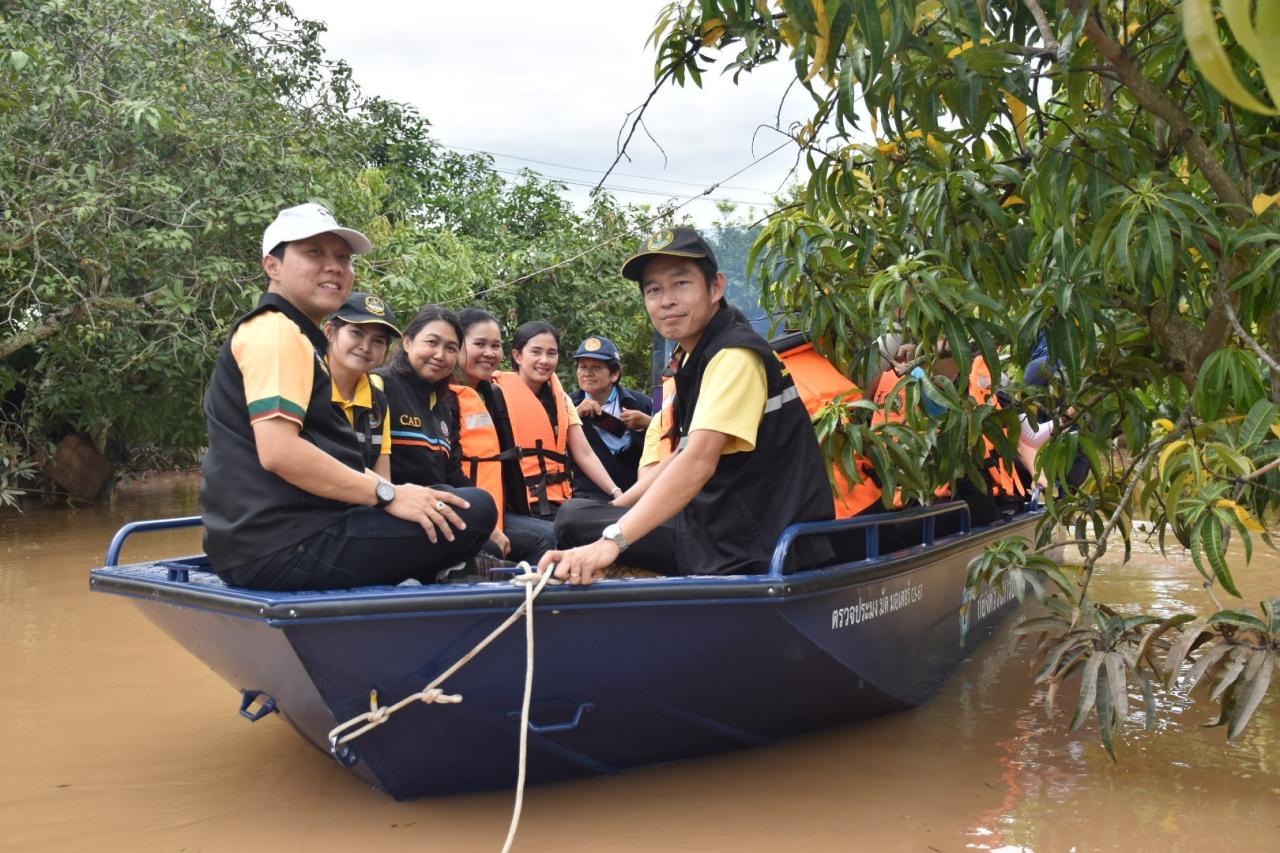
(732, 525)
(424, 438)
(250, 513)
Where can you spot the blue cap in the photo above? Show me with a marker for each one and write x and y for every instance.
(598, 348)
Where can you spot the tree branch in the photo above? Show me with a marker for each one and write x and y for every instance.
(1134, 478)
(59, 318)
(639, 111)
(1225, 299)
(1042, 23)
(1153, 100)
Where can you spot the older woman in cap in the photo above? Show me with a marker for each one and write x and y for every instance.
(614, 418)
(359, 334)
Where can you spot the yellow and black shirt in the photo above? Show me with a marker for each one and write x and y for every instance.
(272, 366)
(369, 415)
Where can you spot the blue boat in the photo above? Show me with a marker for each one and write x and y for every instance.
(629, 672)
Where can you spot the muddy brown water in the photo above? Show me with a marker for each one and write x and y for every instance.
(113, 738)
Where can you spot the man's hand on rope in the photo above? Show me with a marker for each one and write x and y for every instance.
(582, 565)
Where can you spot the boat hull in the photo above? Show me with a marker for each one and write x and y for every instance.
(627, 672)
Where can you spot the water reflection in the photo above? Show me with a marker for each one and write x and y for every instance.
(118, 740)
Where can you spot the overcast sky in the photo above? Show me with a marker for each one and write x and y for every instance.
(552, 81)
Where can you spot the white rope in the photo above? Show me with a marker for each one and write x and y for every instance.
(533, 584)
(530, 593)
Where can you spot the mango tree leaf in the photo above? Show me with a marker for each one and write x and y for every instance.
(1201, 32)
(1254, 690)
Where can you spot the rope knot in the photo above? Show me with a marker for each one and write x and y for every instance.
(434, 695)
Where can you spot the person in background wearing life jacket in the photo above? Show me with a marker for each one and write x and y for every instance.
(425, 425)
(900, 366)
(286, 500)
(359, 334)
(1006, 479)
(1003, 485)
(819, 384)
(614, 418)
(490, 458)
(545, 422)
(747, 462)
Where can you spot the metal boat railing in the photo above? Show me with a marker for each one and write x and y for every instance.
(870, 525)
(117, 541)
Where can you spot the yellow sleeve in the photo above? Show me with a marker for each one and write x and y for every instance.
(386, 432)
(652, 439)
(574, 418)
(275, 358)
(732, 397)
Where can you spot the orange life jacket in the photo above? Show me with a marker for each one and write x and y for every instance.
(884, 387)
(1004, 480)
(819, 383)
(481, 451)
(885, 414)
(543, 457)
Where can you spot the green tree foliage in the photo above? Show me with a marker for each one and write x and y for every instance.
(148, 142)
(982, 173)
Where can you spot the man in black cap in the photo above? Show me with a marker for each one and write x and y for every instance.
(614, 418)
(747, 462)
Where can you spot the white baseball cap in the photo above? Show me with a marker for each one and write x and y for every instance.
(308, 220)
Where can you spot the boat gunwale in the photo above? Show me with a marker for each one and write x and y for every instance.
(294, 607)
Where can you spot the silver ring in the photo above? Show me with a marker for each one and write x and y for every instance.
(440, 506)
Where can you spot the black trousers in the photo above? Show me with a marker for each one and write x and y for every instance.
(581, 522)
(369, 547)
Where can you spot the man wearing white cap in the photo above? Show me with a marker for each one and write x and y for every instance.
(286, 500)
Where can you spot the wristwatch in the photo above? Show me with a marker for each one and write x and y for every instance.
(384, 493)
(614, 534)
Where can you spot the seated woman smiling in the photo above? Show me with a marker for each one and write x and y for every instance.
(425, 423)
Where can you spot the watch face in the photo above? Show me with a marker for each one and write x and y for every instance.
(614, 534)
(386, 493)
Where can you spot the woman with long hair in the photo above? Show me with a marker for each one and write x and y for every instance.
(490, 458)
(545, 422)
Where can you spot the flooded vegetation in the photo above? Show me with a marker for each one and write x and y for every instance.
(123, 741)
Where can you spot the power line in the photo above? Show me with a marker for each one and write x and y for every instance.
(633, 230)
(614, 188)
(597, 171)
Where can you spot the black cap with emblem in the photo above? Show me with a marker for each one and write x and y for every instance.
(365, 308)
(677, 242)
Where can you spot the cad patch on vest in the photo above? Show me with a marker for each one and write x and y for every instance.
(591, 344)
(374, 305)
(661, 240)
(444, 429)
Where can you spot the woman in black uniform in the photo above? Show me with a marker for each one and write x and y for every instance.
(425, 423)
